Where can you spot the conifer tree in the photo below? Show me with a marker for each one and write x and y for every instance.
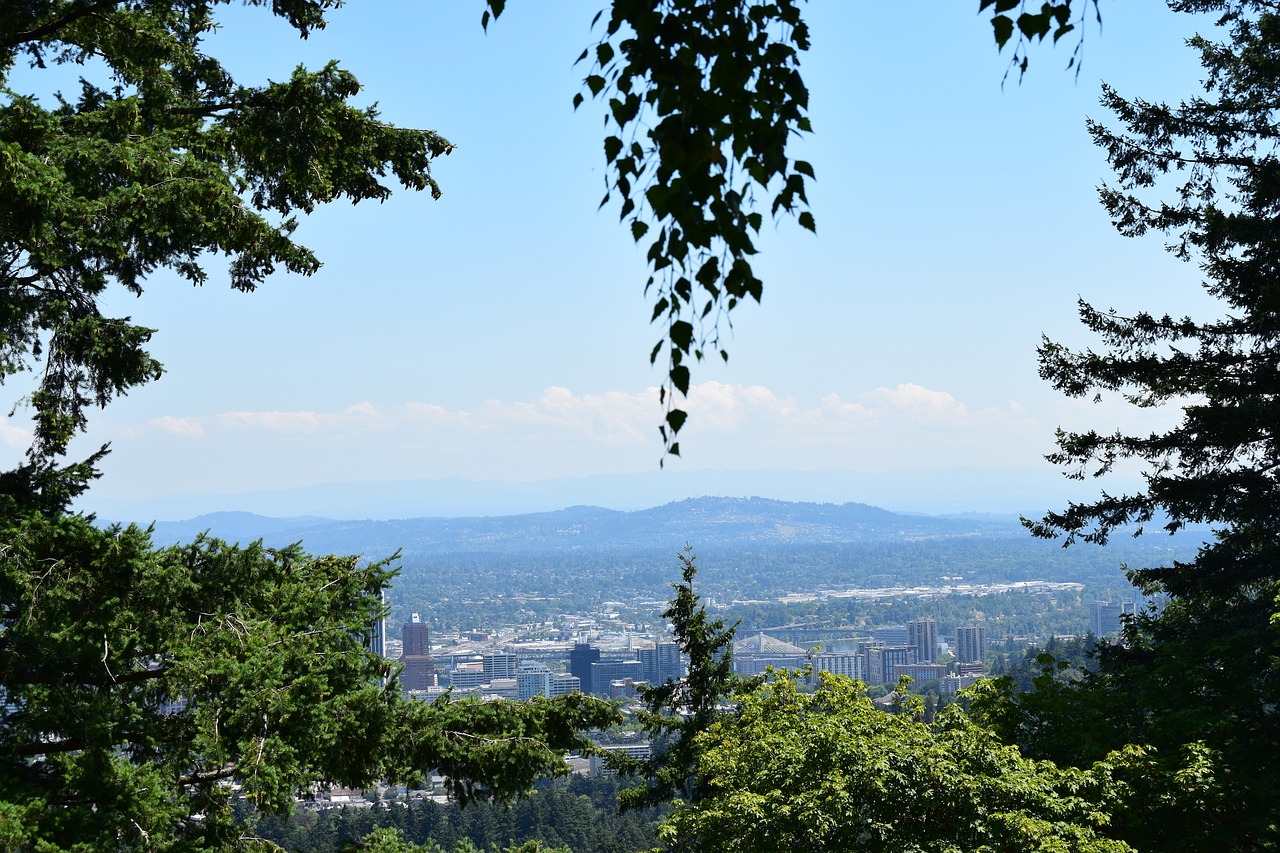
(1200, 679)
(678, 711)
(138, 685)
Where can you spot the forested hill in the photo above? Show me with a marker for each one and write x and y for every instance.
(708, 522)
(498, 570)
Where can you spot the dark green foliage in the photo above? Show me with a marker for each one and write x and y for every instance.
(168, 160)
(1199, 681)
(1035, 24)
(139, 682)
(677, 711)
(703, 96)
(579, 813)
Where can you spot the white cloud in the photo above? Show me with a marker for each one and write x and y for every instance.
(184, 427)
(15, 437)
(564, 433)
(361, 417)
(718, 411)
(917, 404)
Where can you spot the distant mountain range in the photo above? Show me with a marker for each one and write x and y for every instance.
(938, 491)
(710, 522)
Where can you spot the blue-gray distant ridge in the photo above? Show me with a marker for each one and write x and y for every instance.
(708, 522)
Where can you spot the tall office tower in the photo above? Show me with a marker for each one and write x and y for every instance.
(500, 665)
(670, 663)
(580, 659)
(922, 634)
(377, 638)
(419, 671)
(971, 644)
(661, 663)
(416, 636)
(1105, 618)
(605, 672)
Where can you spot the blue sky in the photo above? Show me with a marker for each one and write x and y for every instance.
(501, 332)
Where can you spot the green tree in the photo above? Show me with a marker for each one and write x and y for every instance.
(675, 712)
(827, 771)
(1199, 680)
(166, 161)
(139, 683)
(169, 674)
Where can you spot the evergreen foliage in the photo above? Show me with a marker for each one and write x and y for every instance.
(578, 813)
(675, 712)
(139, 684)
(1198, 682)
(166, 161)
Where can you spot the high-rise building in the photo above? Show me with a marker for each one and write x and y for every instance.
(971, 644)
(532, 679)
(417, 637)
(419, 672)
(661, 663)
(377, 638)
(500, 665)
(922, 634)
(581, 657)
(605, 672)
(1105, 618)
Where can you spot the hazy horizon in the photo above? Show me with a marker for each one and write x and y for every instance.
(934, 491)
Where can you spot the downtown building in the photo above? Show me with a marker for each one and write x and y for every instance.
(418, 671)
(535, 679)
(581, 657)
(610, 676)
(847, 664)
(882, 660)
(500, 665)
(922, 634)
(971, 644)
(1107, 618)
(661, 664)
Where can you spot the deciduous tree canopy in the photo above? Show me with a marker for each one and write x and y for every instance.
(826, 771)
